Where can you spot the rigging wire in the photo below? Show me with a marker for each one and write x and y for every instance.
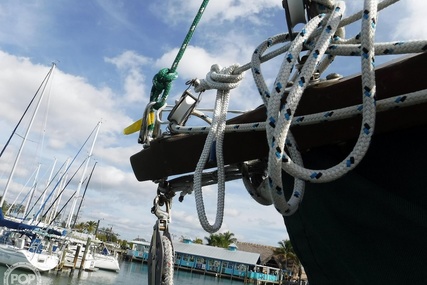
(83, 196)
(68, 167)
(26, 109)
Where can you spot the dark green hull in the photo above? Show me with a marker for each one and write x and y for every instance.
(370, 226)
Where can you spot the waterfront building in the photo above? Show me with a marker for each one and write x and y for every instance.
(255, 262)
(224, 262)
(139, 250)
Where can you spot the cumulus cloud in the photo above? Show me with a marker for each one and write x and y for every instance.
(228, 33)
(410, 20)
(216, 12)
(130, 65)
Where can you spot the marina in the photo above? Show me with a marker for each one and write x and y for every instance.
(331, 163)
(131, 273)
(229, 263)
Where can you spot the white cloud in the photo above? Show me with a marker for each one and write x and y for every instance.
(228, 33)
(21, 23)
(411, 22)
(216, 11)
(130, 66)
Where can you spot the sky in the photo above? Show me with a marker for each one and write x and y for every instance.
(106, 54)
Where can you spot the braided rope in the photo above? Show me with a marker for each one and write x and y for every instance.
(280, 116)
(323, 36)
(223, 80)
(368, 121)
(168, 262)
(162, 81)
(399, 101)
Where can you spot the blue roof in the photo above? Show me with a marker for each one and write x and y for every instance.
(201, 250)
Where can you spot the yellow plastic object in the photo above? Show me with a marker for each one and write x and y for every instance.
(133, 128)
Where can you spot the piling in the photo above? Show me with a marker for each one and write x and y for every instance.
(85, 253)
(64, 253)
(76, 256)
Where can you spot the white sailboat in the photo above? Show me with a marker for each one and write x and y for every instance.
(71, 252)
(106, 260)
(21, 242)
(29, 247)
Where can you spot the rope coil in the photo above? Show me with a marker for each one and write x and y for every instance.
(323, 39)
(223, 80)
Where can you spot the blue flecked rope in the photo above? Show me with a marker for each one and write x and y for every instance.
(362, 45)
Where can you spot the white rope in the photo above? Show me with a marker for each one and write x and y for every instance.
(324, 38)
(168, 262)
(368, 122)
(280, 116)
(399, 101)
(223, 80)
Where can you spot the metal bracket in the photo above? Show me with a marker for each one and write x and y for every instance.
(163, 215)
(183, 108)
(295, 13)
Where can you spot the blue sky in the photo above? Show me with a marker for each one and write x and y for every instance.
(106, 54)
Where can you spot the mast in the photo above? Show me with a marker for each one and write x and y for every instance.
(12, 172)
(58, 192)
(33, 190)
(20, 192)
(49, 180)
(73, 206)
(84, 193)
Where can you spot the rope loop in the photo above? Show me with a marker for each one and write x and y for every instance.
(222, 79)
(322, 39)
(162, 82)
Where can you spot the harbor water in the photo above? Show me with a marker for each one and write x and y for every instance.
(130, 273)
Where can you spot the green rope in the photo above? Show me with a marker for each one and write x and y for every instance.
(162, 81)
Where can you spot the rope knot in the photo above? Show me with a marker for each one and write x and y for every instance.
(222, 79)
(162, 82)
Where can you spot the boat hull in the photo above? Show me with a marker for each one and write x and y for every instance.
(10, 255)
(106, 262)
(179, 154)
(89, 263)
(370, 226)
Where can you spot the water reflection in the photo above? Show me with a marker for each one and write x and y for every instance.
(130, 273)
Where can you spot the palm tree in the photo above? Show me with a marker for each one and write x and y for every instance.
(285, 254)
(228, 238)
(198, 241)
(80, 227)
(213, 240)
(91, 226)
(221, 240)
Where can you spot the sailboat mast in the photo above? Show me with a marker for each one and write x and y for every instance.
(73, 206)
(33, 189)
(84, 193)
(49, 180)
(26, 110)
(58, 195)
(12, 172)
